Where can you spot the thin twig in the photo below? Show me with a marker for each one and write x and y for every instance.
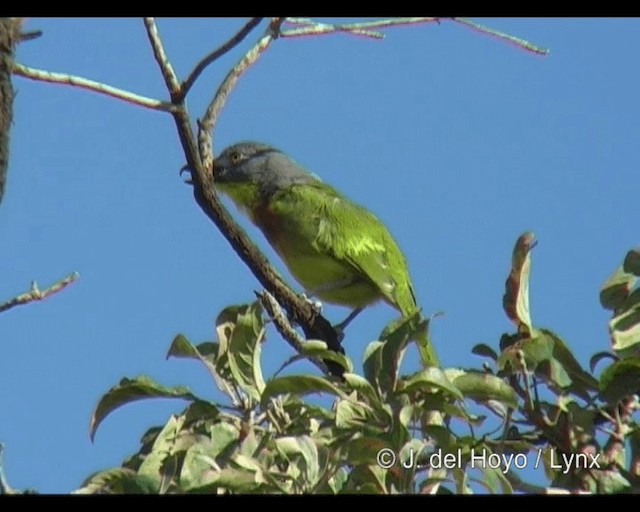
(210, 118)
(84, 83)
(516, 41)
(313, 28)
(216, 54)
(170, 78)
(36, 294)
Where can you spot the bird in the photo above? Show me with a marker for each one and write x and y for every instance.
(338, 250)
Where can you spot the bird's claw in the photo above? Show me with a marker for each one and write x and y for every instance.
(186, 168)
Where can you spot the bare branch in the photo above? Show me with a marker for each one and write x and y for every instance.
(84, 83)
(216, 54)
(516, 41)
(205, 144)
(314, 28)
(36, 294)
(169, 75)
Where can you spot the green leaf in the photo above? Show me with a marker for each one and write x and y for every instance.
(364, 450)
(244, 350)
(620, 379)
(306, 449)
(483, 387)
(118, 481)
(353, 415)
(625, 331)
(599, 356)
(160, 464)
(131, 390)
(231, 479)
(482, 349)
(206, 353)
(516, 297)
(632, 262)
(616, 288)
(428, 379)
(196, 468)
(362, 386)
(581, 381)
(395, 337)
(317, 349)
(337, 481)
(299, 385)
(372, 363)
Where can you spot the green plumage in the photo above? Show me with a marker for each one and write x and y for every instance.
(337, 250)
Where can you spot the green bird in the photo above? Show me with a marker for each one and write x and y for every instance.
(336, 249)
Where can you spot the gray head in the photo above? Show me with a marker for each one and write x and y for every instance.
(258, 164)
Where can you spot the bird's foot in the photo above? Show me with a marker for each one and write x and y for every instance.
(315, 304)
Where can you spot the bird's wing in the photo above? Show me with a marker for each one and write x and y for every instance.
(353, 235)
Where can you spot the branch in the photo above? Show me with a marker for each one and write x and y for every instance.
(84, 83)
(168, 74)
(314, 28)
(309, 27)
(216, 54)
(36, 294)
(205, 144)
(516, 41)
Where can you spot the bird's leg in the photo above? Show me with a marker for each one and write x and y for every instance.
(343, 325)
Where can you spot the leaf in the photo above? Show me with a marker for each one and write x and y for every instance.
(395, 337)
(364, 450)
(372, 363)
(428, 379)
(482, 349)
(206, 352)
(118, 481)
(625, 331)
(317, 349)
(632, 262)
(616, 288)
(244, 350)
(196, 468)
(299, 385)
(599, 356)
(483, 387)
(581, 381)
(353, 415)
(159, 463)
(620, 379)
(231, 479)
(131, 390)
(364, 388)
(516, 297)
(302, 446)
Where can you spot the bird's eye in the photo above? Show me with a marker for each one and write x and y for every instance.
(235, 157)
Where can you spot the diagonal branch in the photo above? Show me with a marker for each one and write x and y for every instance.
(36, 294)
(210, 118)
(216, 54)
(313, 28)
(91, 85)
(170, 78)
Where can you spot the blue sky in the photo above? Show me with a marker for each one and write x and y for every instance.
(458, 142)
